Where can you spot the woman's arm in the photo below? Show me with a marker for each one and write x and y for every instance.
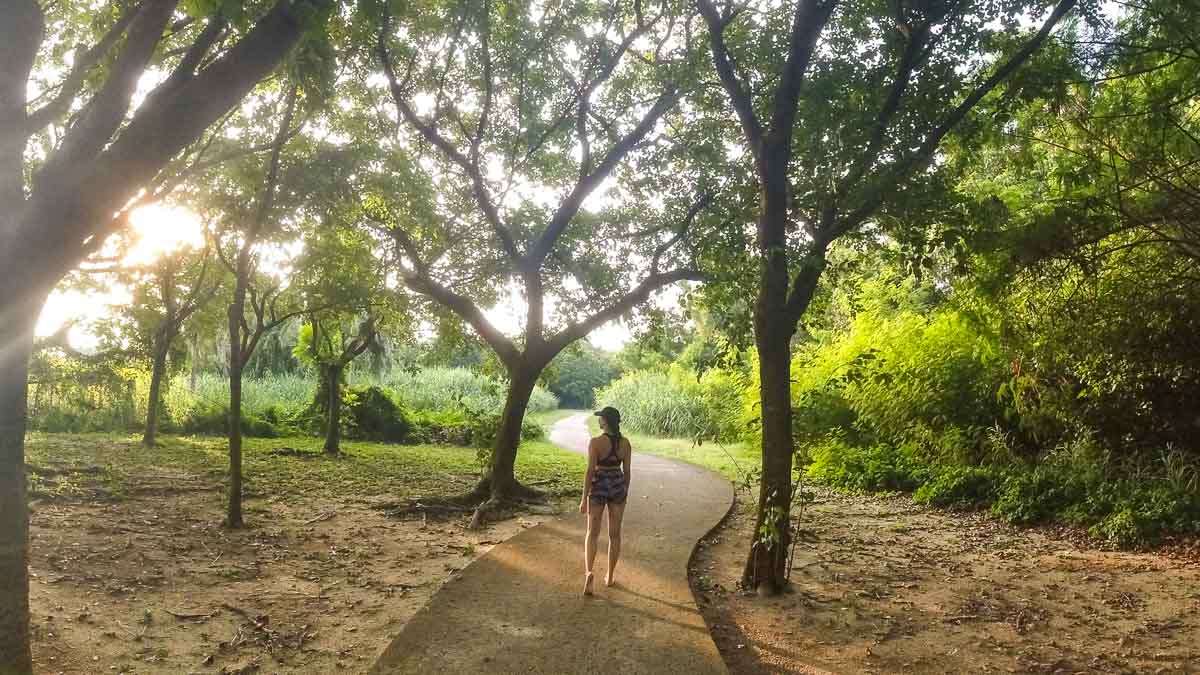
(627, 463)
(587, 477)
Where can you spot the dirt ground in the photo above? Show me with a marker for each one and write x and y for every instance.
(884, 586)
(154, 584)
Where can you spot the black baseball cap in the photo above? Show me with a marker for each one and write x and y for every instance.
(609, 413)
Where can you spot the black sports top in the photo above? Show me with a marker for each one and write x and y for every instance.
(613, 459)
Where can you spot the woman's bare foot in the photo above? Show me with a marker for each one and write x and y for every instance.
(609, 580)
(587, 583)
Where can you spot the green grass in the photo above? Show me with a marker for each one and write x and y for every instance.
(547, 418)
(111, 465)
(731, 460)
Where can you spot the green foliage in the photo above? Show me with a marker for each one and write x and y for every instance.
(462, 427)
(68, 394)
(375, 416)
(873, 468)
(656, 403)
(959, 487)
(576, 374)
(448, 389)
(447, 406)
(979, 402)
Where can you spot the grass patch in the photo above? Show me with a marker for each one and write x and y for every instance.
(97, 465)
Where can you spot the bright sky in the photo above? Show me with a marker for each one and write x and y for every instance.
(158, 229)
(155, 229)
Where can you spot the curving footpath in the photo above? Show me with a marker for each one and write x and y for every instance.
(518, 609)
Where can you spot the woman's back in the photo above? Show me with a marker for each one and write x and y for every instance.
(615, 454)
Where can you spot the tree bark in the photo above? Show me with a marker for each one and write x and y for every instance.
(773, 330)
(333, 424)
(765, 566)
(158, 370)
(16, 346)
(521, 380)
(237, 308)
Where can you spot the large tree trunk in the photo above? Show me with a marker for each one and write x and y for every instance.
(333, 424)
(765, 566)
(233, 517)
(158, 370)
(16, 346)
(521, 381)
(773, 329)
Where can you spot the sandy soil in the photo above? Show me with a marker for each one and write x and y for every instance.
(884, 586)
(154, 584)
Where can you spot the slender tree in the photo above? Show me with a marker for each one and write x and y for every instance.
(55, 213)
(525, 116)
(343, 283)
(839, 136)
(165, 294)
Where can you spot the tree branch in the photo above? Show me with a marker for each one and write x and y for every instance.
(103, 115)
(73, 82)
(905, 66)
(905, 168)
(808, 22)
(186, 69)
(586, 185)
(469, 165)
(422, 282)
(627, 302)
(738, 92)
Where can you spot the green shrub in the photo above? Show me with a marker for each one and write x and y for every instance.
(1027, 497)
(460, 427)
(959, 488)
(374, 415)
(658, 403)
(448, 389)
(876, 468)
(721, 392)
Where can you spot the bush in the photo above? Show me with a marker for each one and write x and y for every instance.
(449, 389)
(374, 415)
(460, 427)
(959, 488)
(876, 468)
(657, 403)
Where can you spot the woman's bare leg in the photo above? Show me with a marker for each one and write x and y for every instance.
(615, 513)
(595, 513)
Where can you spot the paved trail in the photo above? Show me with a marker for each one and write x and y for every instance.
(518, 609)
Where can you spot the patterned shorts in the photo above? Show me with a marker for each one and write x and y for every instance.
(608, 487)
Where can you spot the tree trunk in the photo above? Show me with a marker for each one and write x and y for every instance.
(773, 329)
(233, 517)
(16, 346)
(194, 357)
(765, 566)
(521, 382)
(161, 348)
(333, 425)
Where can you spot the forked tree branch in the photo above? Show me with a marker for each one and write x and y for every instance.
(570, 206)
(469, 164)
(105, 112)
(735, 88)
(73, 82)
(623, 305)
(420, 280)
(903, 170)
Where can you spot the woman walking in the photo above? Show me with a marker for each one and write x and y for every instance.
(606, 486)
